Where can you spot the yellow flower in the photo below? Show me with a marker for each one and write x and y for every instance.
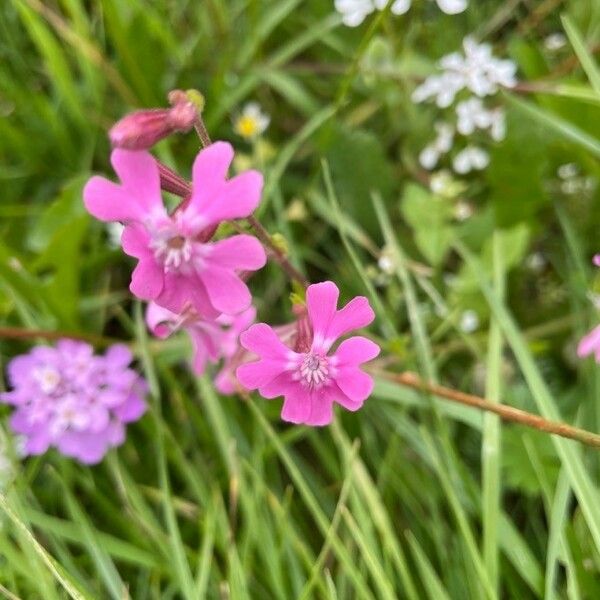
(251, 122)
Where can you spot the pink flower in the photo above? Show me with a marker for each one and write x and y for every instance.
(212, 339)
(309, 377)
(67, 397)
(590, 344)
(143, 128)
(177, 264)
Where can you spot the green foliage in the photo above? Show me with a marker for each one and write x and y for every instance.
(413, 497)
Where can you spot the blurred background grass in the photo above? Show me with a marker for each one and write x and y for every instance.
(412, 497)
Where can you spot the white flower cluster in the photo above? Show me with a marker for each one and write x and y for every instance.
(476, 71)
(354, 12)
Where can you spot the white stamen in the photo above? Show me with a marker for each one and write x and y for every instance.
(313, 371)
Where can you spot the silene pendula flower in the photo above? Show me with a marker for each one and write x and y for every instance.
(178, 265)
(251, 122)
(590, 343)
(309, 375)
(69, 398)
(212, 339)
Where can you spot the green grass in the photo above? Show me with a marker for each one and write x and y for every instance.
(412, 497)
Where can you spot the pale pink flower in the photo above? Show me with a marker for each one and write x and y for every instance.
(212, 339)
(68, 397)
(309, 376)
(177, 264)
(590, 344)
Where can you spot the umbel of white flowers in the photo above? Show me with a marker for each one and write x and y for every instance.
(480, 73)
(354, 12)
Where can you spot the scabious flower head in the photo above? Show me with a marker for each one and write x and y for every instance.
(310, 376)
(251, 122)
(177, 265)
(212, 339)
(69, 398)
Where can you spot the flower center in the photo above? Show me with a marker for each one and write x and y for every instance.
(314, 371)
(173, 251)
(47, 378)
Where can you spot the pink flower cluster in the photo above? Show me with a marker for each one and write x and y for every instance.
(69, 398)
(196, 284)
(191, 281)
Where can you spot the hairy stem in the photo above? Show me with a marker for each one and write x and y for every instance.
(508, 413)
(172, 182)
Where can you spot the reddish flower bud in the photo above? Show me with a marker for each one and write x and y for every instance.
(144, 128)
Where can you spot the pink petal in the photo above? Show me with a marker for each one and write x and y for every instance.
(355, 351)
(596, 260)
(146, 280)
(262, 340)
(205, 349)
(109, 201)
(281, 385)
(180, 290)
(225, 381)
(356, 384)
(343, 400)
(158, 320)
(235, 200)
(135, 241)
(216, 199)
(210, 171)
(356, 314)
(321, 301)
(139, 175)
(321, 407)
(131, 410)
(258, 374)
(238, 252)
(227, 292)
(296, 406)
(590, 344)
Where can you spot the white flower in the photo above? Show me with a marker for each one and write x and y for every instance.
(354, 12)
(430, 155)
(475, 69)
(472, 115)
(452, 7)
(463, 211)
(469, 321)
(114, 231)
(470, 159)
(568, 171)
(536, 262)
(252, 121)
(555, 41)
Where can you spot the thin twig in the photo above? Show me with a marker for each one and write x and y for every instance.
(508, 413)
(20, 333)
(261, 233)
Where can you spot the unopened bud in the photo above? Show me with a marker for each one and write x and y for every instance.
(144, 128)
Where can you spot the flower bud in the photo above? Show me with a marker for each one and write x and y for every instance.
(144, 128)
